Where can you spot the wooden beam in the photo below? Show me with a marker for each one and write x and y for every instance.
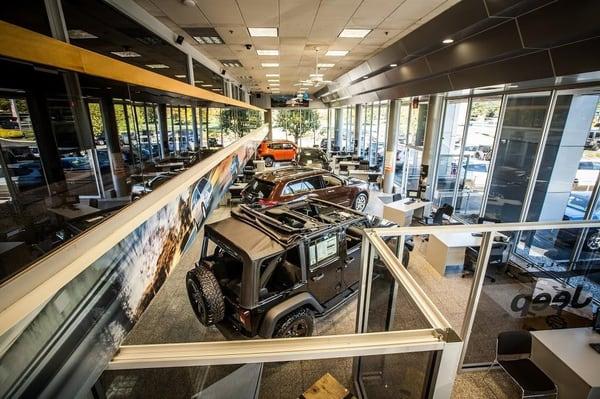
(25, 45)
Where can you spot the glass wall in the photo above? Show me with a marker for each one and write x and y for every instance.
(304, 126)
(520, 135)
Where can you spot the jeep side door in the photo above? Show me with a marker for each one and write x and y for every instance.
(351, 248)
(334, 190)
(288, 152)
(324, 267)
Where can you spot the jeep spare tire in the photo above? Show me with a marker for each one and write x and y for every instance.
(205, 295)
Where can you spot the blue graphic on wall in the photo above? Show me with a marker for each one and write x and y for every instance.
(63, 350)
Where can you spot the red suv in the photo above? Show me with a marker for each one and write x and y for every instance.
(277, 150)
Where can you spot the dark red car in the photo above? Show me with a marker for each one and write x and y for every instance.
(287, 184)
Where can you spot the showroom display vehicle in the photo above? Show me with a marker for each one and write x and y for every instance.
(291, 183)
(271, 271)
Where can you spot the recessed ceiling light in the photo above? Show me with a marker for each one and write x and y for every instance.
(208, 39)
(325, 65)
(354, 33)
(267, 52)
(180, 76)
(157, 66)
(198, 81)
(336, 53)
(126, 54)
(206, 85)
(315, 75)
(262, 32)
(231, 63)
(448, 41)
(274, 84)
(393, 65)
(273, 80)
(365, 77)
(272, 75)
(76, 34)
(270, 64)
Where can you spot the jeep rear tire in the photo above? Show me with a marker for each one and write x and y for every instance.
(268, 161)
(299, 323)
(205, 295)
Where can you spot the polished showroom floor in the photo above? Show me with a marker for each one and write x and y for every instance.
(169, 319)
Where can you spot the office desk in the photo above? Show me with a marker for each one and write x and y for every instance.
(448, 249)
(169, 165)
(350, 164)
(565, 356)
(75, 211)
(401, 212)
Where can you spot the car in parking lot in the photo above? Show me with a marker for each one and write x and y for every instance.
(270, 272)
(286, 184)
(277, 151)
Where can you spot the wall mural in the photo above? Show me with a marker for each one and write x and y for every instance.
(63, 350)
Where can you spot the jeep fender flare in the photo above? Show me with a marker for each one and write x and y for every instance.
(282, 309)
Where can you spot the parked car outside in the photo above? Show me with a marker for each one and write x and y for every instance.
(149, 184)
(269, 272)
(587, 173)
(313, 158)
(277, 150)
(287, 184)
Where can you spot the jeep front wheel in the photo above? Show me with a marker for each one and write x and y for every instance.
(205, 295)
(268, 161)
(299, 323)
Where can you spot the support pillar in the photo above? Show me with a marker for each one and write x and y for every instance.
(164, 130)
(389, 159)
(337, 132)
(269, 120)
(115, 155)
(358, 119)
(432, 131)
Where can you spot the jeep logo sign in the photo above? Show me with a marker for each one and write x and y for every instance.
(548, 295)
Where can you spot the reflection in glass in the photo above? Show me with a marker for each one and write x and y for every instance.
(519, 140)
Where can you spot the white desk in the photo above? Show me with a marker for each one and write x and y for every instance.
(401, 212)
(75, 211)
(259, 165)
(448, 249)
(565, 356)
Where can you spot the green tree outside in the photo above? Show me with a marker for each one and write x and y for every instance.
(239, 121)
(298, 122)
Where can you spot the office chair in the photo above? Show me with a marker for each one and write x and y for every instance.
(343, 168)
(513, 355)
(498, 259)
(437, 217)
(363, 165)
(374, 180)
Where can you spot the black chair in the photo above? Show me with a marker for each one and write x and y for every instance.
(374, 180)
(437, 217)
(498, 259)
(343, 168)
(363, 165)
(513, 354)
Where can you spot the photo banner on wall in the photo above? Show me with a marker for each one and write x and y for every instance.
(65, 347)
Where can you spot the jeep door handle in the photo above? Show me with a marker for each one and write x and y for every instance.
(318, 277)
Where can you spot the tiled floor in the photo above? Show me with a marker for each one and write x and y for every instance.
(169, 319)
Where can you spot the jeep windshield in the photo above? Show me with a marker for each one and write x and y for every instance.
(257, 190)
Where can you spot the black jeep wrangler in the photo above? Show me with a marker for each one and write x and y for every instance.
(271, 271)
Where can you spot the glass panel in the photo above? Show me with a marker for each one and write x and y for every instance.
(401, 148)
(450, 147)
(477, 155)
(519, 139)
(534, 288)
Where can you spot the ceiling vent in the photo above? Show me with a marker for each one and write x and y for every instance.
(204, 35)
(231, 63)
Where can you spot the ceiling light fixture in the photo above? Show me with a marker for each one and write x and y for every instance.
(267, 52)
(354, 33)
(273, 80)
(270, 64)
(448, 41)
(393, 65)
(365, 77)
(157, 66)
(325, 65)
(336, 53)
(272, 75)
(263, 32)
(274, 84)
(206, 85)
(189, 3)
(180, 76)
(126, 54)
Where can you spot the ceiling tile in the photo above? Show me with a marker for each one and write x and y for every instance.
(372, 12)
(296, 17)
(221, 12)
(181, 14)
(260, 13)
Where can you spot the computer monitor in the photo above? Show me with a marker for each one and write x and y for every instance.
(414, 194)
